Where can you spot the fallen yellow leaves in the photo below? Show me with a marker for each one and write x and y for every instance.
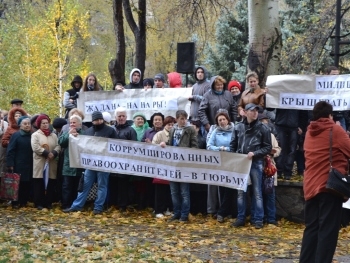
(28, 235)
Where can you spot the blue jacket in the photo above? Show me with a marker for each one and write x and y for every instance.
(220, 137)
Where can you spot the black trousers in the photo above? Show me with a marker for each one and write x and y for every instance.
(226, 196)
(322, 224)
(69, 190)
(24, 191)
(42, 197)
(162, 199)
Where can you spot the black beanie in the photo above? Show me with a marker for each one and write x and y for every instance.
(58, 123)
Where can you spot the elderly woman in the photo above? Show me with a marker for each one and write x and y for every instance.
(45, 150)
(219, 140)
(20, 159)
(215, 99)
(252, 94)
(140, 124)
(13, 116)
(71, 176)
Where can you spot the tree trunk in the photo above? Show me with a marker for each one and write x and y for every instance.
(117, 66)
(265, 39)
(138, 31)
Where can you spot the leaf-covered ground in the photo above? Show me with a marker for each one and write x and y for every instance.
(29, 235)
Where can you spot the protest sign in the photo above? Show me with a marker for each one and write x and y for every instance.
(166, 101)
(170, 163)
(302, 92)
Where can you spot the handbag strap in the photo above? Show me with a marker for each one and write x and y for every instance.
(330, 147)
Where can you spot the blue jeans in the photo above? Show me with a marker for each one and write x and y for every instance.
(257, 205)
(89, 179)
(270, 207)
(180, 195)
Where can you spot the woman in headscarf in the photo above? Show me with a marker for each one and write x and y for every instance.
(140, 125)
(45, 150)
(13, 116)
(19, 159)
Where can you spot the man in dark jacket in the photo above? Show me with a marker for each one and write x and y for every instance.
(135, 80)
(253, 138)
(71, 95)
(99, 129)
(119, 185)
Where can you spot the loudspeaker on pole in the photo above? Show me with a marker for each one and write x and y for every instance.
(185, 57)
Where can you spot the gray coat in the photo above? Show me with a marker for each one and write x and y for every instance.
(212, 102)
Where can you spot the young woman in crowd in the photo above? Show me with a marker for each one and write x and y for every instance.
(252, 94)
(162, 200)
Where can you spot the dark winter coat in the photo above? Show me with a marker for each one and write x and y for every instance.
(125, 132)
(20, 155)
(251, 137)
(212, 102)
(102, 130)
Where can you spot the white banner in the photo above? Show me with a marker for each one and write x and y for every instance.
(302, 92)
(169, 163)
(166, 101)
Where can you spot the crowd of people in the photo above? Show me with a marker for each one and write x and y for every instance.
(224, 116)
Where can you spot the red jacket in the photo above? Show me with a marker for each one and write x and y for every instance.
(316, 147)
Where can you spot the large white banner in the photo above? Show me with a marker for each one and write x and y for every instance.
(302, 92)
(150, 160)
(166, 101)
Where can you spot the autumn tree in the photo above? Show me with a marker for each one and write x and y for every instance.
(38, 56)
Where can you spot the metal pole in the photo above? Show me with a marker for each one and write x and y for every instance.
(337, 34)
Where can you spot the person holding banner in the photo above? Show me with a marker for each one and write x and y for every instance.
(181, 135)
(252, 138)
(91, 84)
(119, 184)
(219, 140)
(45, 150)
(98, 129)
(70, 176)
(252, 94)
(135, 80)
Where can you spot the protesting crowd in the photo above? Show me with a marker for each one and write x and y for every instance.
(228, 116)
